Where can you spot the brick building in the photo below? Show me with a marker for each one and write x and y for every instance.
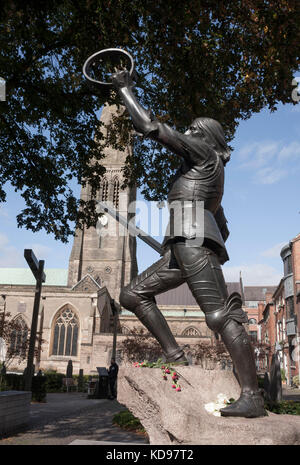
(280, 317)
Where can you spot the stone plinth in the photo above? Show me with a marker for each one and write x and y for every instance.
(171, 417)
(14, 410)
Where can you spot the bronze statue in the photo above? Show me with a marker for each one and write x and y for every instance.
(200, 178)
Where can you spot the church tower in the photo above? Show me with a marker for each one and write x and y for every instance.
(107, 253)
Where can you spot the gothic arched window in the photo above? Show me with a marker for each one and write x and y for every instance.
(116, 193)
(65, 333)
(191, 332)
(104, 196)
(125, 330)
(19, 337)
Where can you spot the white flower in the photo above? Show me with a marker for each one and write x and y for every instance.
(215, 407)
(210, 407)
(222, 399)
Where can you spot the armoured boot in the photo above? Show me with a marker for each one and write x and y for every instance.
(154, 321)
(250, 403)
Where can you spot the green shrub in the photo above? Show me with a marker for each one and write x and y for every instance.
(82, 382)
(126, 420)
(54, 381)
(296, 380)
(286, 407)
(14, 382)
(283, 377)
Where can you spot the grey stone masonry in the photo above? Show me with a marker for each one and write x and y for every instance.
(14, 410)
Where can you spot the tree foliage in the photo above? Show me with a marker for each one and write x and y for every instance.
(139, 346)
(209, 355)
(225, 59)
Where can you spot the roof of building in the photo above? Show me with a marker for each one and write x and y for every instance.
(178, 296)
(182, 295)
(258, 293)
(234, 287)
(24, 276)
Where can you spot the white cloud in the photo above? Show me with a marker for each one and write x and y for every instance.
(253, 275)
(13, 257)
(257, 154)
(10, 256)
(273, 252)
(40, 251)
(291, 150)
(268, 160)
(269, 175)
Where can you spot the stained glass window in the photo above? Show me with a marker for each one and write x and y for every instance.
(191, 332)
(65, 335)
(116, 193)
(19, 337)
(104, 197)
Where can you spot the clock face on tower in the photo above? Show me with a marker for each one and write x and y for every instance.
(103, 220)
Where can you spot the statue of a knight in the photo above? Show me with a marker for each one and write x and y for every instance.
(188, 257)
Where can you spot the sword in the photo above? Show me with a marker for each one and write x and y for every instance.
(132, 229)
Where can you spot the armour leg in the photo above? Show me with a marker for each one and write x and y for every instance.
(139, 297)
(224, 315)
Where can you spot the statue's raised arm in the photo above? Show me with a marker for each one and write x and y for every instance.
(146, 123)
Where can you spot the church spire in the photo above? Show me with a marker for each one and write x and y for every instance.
(111, 258)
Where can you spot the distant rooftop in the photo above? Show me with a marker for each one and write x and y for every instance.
(178, 296)
(255, 293)
(183, 296)
(24, 276)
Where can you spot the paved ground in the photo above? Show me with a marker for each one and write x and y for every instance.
(70, 417)
(291, 394)
(67, 417)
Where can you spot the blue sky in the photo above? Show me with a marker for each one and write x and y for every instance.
(261, 202)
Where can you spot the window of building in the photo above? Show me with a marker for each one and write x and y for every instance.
(104, 196)
(252, 321)
(125, 330)
(290, 307)
(253, 336)
(287, 265)
(19, 337)
(65, 333)
(251, 303)
(116, 193)
(191, 332)
(266, 338)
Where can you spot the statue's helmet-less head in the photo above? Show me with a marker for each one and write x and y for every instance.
(212, 133)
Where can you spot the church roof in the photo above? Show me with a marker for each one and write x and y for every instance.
(24, 276)
(182, 295)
